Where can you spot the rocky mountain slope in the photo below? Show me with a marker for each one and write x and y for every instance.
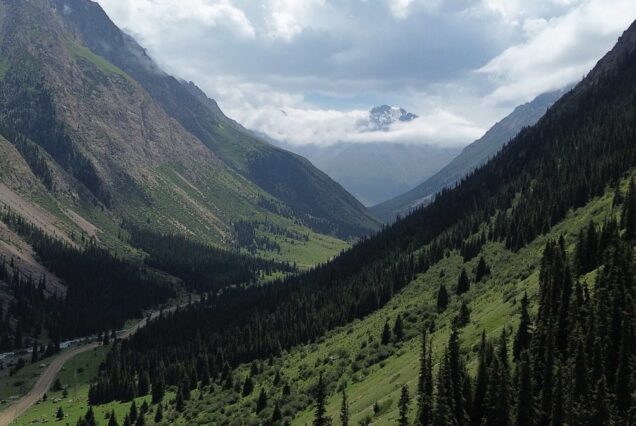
(112, 137)
(377, 171)
(543, 232)
(473, 156)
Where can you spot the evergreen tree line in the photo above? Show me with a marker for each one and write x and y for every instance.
(31, 154)
(574, 364)
(201, 267)
(30, 311)
(102, 291)
(582, 146)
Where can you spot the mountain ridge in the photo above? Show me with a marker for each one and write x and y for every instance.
(471, 157)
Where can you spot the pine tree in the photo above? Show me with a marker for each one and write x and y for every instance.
(159, 413)
(277, 416)
(404, 402)
(398, 329)
(481, 382)
(482, 270)
(463, 283)
(557, 417)
(261, 404)
(112, 419)
(458, 377)
(463, 316)
(443, 408)
(623, 384)
(158, 390)
(344, 409)
(320, 418)
(386, 334)
(60, 413)
(525, 399)
(524, 334)
(629, 212)
(132, 413)
(442, 298)
(248, 386)
(424, 385)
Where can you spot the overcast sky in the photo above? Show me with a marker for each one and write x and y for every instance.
(305, 71)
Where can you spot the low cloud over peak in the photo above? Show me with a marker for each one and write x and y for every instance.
(460, 66)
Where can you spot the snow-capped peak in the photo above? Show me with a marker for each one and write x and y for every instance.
(381, 117)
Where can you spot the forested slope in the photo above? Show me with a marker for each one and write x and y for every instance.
(578, 151)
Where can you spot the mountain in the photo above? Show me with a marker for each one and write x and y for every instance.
(112, 138)
(376, 171)
(511, 293)
(381, 117)
(473, 156)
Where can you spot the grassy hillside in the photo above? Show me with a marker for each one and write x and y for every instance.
(352, 356)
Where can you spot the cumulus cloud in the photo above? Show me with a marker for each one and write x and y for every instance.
(557, 51)
(299, 126)
(459, 65)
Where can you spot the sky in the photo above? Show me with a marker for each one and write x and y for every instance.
(308, 71)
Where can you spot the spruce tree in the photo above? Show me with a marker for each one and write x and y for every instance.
(629, 212)
(386, 334)
(524, 334)
(159, 413)
(424, 385)
(404, 402)
(463, 283)
(277, 416)
(132, 413)
(60, 413)
(112, 420)
(482, 270)
(442, 298)
(398, 329)
(261, 403)
(320, 417)
(248, 386)
(525, 399)
(481, 383)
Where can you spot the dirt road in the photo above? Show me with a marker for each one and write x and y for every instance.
(49, 374)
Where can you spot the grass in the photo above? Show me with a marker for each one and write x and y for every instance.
(76, 377)
(352, 357)
(12, 387)
(102, 64)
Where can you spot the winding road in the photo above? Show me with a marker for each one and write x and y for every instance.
(44, 382)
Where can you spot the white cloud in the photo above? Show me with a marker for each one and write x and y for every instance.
(300, 126)
(459, 65)
(557, 51)
(400, 8)
(159, 15)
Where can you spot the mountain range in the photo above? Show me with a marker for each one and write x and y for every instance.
(376, 171)
(127, 199)
(470, 158)
(111, 137)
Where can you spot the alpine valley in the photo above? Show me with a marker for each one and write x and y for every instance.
(160, 264)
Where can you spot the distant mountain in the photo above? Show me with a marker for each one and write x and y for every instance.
(112, 137)
(473, 156)
(376, 171)
(381, 117)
